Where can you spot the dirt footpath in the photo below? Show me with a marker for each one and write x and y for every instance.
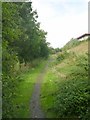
(35, 108)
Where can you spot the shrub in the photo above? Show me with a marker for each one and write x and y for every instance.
(73, 93)
(62, 56)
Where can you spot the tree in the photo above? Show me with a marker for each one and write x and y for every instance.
(23, 41)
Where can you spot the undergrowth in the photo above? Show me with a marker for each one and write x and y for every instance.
(17, 92)
(68, 87)
(73, 91)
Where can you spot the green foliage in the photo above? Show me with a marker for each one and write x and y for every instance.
(57, 50)
(48, 95)
(63, 55)
(22, 42)
(54, 50)
(67, 81)
(23, 92)
(73, 92)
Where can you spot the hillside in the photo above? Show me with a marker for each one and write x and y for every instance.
(81, 48)
(71, 43)
(67, 83)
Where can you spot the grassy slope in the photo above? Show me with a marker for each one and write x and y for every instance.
(22, 100)
(62, 77)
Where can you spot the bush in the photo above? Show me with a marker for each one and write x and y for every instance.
(73, 93)
(62, 56)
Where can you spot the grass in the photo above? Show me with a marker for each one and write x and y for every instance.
(47, 95)
(67, 86)
(64, 90)
(21, 101)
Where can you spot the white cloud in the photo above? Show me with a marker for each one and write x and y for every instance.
(62, 19)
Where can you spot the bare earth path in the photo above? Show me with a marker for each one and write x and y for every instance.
(35, 108)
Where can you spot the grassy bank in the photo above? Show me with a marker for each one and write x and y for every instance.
(67, 85)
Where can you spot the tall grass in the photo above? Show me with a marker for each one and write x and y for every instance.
(68, 88)
(73, 91)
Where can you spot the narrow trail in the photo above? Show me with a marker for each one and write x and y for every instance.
(35, 108)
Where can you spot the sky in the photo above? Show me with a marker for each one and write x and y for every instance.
(62, 19)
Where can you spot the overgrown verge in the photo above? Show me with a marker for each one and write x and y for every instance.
(73, 91)
(48, 91)
(67, 93)
(19, 91)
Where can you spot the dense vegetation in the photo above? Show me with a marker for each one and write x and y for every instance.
(67, 95)
(65, 90)
(72, 101)
(22, 42)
